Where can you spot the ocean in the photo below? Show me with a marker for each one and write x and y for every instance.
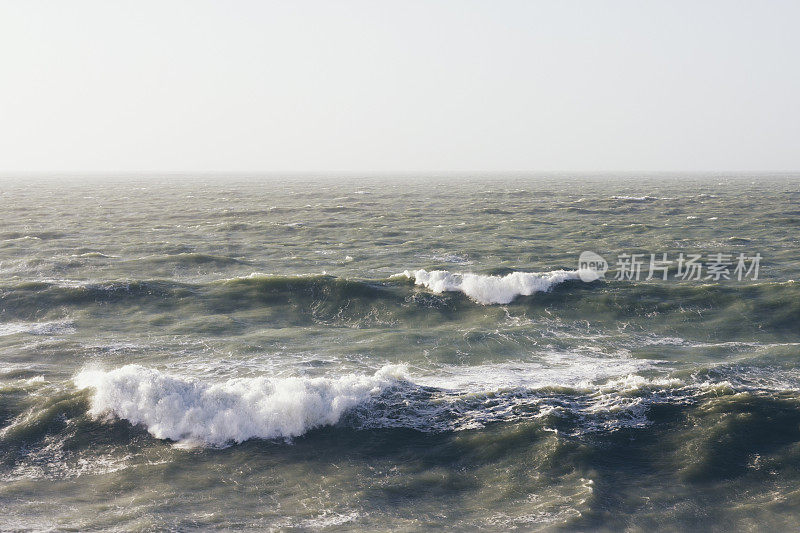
(400, 354)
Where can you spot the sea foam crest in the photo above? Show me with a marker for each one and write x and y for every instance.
(490, 289)
(604, 395)
(59, 327)
(193, 411)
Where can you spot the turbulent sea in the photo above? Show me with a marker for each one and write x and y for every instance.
(397, 354)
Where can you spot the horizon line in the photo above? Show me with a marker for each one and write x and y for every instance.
(370, 173)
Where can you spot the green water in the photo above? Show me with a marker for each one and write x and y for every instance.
(250, 353)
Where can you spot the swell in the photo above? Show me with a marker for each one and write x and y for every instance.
(491, 289)
(189, 259)
(726, 310)
(220, 413)
(644, 444)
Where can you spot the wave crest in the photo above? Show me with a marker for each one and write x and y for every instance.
(604, 396)
(490, 289)
(187, 410)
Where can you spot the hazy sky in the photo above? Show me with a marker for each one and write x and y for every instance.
(399, 86)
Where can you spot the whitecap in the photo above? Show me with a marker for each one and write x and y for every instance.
(61, 327)
(190, 410)
(634, 198)
(606, 393)
(490, 289)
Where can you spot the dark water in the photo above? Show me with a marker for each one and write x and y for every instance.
(397, 354)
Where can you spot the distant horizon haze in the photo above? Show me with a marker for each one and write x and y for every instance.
(356, 87)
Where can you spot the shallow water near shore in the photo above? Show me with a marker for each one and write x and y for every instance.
(396, 354)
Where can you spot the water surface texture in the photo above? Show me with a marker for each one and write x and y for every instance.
(396, 354)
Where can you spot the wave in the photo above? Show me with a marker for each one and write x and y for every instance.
(189, 259)
(574, 393)
(490, 289)
(600, 394)
(60, 327)
(39, 236)
(419, 298)
(187, 410)
(638, 198)
(605, 395)
(95, 255)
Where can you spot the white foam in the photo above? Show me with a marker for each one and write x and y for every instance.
(189, 410)
(636, 198)
(37, 328)
(219, 412)
(490, 289)
(53, 461)
(555, 369)
(448, 258)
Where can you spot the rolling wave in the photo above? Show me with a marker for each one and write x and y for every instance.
(416, 297)
(239, 409)
(490, 289)
(579, 395)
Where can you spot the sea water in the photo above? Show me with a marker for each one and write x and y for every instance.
(261, 353)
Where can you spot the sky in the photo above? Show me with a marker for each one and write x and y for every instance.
(399, 86)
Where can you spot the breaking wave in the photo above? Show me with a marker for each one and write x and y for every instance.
(236, 410)
(588, 395)
(490, 289)
(415, 298)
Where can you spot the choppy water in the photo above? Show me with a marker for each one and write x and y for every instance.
(279, 354)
